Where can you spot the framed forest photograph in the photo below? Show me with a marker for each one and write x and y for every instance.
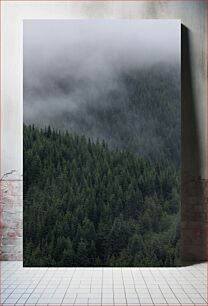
(101, 142)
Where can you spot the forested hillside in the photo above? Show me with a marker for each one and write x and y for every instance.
(88, 204)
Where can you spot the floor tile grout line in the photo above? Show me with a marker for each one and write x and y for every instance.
(119, 274)
(77, 288)
(147, 287)
(90, 287)
(36, 285)
(69, 286)
(102, 287)
(158, 286)
(17, 268)
(161, 290)
(199, 292)
(170, 288)
(135, 286)
(123, 284)
(181, 288)
(113, 289)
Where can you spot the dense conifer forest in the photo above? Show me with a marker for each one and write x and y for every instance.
(86, 205)
(102, 184)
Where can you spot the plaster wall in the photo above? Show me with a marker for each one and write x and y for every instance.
(194, 212)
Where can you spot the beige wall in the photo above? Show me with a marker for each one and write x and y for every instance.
(194, 104)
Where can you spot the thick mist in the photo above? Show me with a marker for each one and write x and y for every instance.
(89, 76)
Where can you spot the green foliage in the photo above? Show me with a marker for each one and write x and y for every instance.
(89, 205)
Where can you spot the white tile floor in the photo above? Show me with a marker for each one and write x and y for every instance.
(103, 286)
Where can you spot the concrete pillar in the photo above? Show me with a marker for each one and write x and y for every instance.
(194, 186)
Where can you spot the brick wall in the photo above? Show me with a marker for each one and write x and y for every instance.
(11, 219)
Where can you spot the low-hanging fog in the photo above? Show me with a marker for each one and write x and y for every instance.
(105, 79)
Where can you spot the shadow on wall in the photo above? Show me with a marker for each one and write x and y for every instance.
(193, 231)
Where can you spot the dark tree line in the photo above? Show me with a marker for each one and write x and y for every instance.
(86, 204)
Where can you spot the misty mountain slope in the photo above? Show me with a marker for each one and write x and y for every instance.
(137, 109)
(88, 205)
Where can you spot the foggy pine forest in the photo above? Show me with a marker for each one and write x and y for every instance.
(101, 160)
